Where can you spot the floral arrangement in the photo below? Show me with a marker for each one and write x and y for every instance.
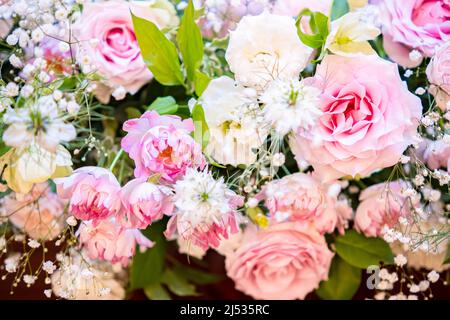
(307, 142)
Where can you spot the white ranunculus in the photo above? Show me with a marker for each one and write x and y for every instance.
(264, 48)
(233, 117)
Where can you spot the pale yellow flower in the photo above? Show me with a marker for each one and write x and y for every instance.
(357, 4)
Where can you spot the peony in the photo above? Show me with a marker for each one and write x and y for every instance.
(414, 24)
(39, 213)
(93, 193)
(108, 42)
(285, 261)
(266, 47)
(161, 145)
(206, 210)
(367, 122)
(144, 202)
(232, 114)
(108, 240)
(382, 205)
(32, 164)
(438, 73)
(302, 198)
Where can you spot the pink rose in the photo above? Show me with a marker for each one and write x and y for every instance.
(294, 7)
(106, 35)
(300, 197)
(414, 24)
(369, 118)
(161, 145)
(109, 241)
(93, 193)
(438, 73)
(285, 261)
(144, 202)
(382, 205)
(39, 214)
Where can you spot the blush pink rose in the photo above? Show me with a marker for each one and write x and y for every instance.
(369, 118)
(436, 154)
(414, 24)
(438, 73)
(39, 213)
(106, 36)
(162, 145)
(93, 193)
(294, 7)
(109, 241)
(285, 261)
(301, 197)
(382, 205)
(144, 202)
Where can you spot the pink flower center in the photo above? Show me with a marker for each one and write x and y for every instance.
(429, 12)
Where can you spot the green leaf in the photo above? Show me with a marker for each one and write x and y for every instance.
(201, 130)
(201, 82)
(178, 284)
(156, 292)
(68, 83)
(343, 281)
(198, 276)
(147, 267)
(133, 113)
(159, 53)
(339, 8)
(164, 105)
(319, 24)
(3, 147)
(362, 252)
(447, 255)
(190, 42)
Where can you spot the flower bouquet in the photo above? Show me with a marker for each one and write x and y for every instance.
(306, 142)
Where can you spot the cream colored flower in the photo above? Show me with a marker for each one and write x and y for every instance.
(264, 48)
(34, 164)
(233, 117)
(356, 4)
(350, 34)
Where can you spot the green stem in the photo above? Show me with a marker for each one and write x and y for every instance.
(114, 162)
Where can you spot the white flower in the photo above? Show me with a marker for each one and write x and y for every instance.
(71, 221)
(40, 122)
(119, 93)
(29, 279)
(37, 35)
(414, 288)
(433, 276)
(63, 46)
(201, 199)
(424, 285)
(278, 159)
(408, 73)
(12, 39)
(234, 121)
(48, 293)
(252, 202)
(27, 90)
(400, 260)
(73, 108)
(415, 55)
(291, 105)
(15, 61)
(12, 262)
(266, 47)
(33, 243)
(57, 95)
(420, 91)
(48, 267)
(11, 89)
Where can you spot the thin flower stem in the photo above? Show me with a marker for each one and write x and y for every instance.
(114, 162)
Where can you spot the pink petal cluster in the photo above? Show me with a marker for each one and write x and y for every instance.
(438, 73)
(369, 118)
(301, 197)
(382, 205)
(108, 240)
(93, 193)
(285, 261)
(144, 202)
(414, 24)
(39, 214)
(161, 145)
(436, 154)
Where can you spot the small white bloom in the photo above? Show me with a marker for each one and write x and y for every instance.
(37, 35)
(119, 93)
(73, 108)
(44, 77)
(29, 279)
(12, 262)
(278, 159)
(57, 95)
(48, 267)
(48, 293)
(12, 40)
(408, 73)
(419, 180)
(433, 276)
(400, 260)
(61, 14)
(424, 285)
(291, 105)
(404, 159)
(420, 91)
(252, 203)
(33, 243)
(11, 90)
(71, 221)
(414, 288)
(27, 90)
(415, 55)
(15, 61)
(63, 46)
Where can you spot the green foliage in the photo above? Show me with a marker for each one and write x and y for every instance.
(319, 25)
(201, 130)
(339, 8)
(3, 147)
(159, 53)
(447, 255)
(201, 82)
(361, 252)
(343, 281)
(164, 105)
(178, 284)
(190, 42)
(156, 292)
